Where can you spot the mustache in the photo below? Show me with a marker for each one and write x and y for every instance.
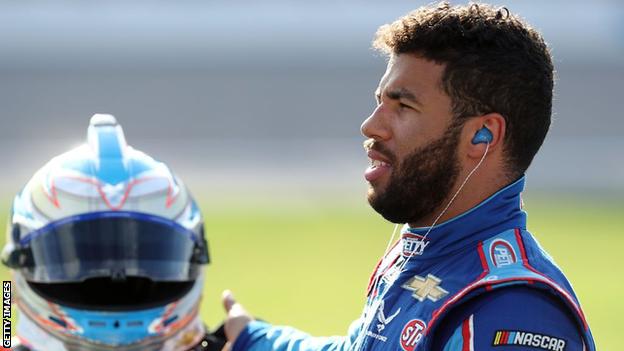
(372, 144)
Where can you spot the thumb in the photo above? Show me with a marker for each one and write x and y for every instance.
(228, 300)
(237, 318)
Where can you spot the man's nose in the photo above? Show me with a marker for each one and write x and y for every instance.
(376, 126)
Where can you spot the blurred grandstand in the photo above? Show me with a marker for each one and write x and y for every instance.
(236, 93)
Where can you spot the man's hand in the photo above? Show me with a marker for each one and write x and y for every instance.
(236, 320)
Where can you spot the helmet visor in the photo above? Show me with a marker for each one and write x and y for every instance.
(112, 244)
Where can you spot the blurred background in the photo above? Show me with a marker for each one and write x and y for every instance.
(257, 106)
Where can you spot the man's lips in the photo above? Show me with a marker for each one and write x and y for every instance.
(380, 165)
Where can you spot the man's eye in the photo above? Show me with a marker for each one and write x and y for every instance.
(402, 105)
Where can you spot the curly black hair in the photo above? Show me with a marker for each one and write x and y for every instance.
(494, 62)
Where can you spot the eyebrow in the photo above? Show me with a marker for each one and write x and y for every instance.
(399, 94)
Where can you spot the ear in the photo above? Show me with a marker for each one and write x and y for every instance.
(495, 123)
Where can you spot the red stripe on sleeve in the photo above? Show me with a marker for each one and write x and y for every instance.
(466, 335)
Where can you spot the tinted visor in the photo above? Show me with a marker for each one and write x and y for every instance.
(115, 245)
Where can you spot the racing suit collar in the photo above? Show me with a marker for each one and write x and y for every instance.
(501, 211)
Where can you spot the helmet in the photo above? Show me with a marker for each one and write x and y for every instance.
(107, 248)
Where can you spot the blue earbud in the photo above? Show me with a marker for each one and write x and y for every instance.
(483, 136)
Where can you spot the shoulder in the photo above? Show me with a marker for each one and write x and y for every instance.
(518, 315)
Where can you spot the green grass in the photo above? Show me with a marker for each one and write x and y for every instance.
(306, 262)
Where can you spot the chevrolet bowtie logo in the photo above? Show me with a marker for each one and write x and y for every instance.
(425, 288)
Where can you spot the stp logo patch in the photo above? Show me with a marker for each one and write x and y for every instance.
(412, 333)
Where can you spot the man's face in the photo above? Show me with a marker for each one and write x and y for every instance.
(412, 141)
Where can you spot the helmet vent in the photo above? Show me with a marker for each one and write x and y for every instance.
(58, 321)
(102, 119)
(169, 320)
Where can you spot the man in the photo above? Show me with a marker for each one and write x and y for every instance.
(462, 109)
(107, 247)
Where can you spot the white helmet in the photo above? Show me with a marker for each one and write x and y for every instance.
(107, 247)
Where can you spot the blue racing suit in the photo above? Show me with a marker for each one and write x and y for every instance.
(479, 281)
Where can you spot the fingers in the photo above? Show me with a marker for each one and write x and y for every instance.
(228, 300)
(237, 317)
(232, 308)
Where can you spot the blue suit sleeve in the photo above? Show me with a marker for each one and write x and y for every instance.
(263, 336)
(524, 318)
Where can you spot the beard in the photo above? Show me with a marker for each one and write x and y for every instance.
(421, 181)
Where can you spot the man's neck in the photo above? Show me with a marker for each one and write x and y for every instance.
(473, 193)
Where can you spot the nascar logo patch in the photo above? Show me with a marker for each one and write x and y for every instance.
(523, 338)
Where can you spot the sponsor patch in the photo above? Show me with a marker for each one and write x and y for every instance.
(379, 337)
(502, 253)
(383, 320)
(412, 333)
(390, 274)
(425, 288)
(523, 338)
(187, 339)
(413, 244)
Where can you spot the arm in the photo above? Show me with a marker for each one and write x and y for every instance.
(243, 333)
(528, 319)
(262, 336)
